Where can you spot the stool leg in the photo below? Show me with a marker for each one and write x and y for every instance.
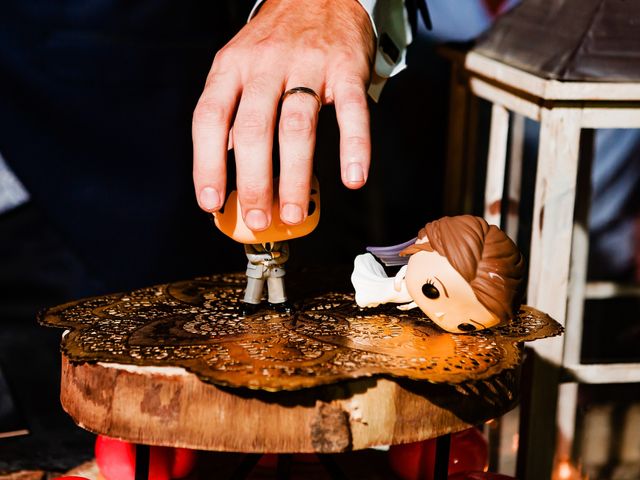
(332, 467)
(283, 470)
(549, 281)
(441, 470)
(246, 466)
(142, 462)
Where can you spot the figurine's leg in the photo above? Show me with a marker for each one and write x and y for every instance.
(277, 295)
(253, 293)
(276, 290)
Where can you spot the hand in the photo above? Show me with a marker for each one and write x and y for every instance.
(260, 258)
(325, 45)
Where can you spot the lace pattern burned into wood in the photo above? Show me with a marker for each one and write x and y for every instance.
(198, 325)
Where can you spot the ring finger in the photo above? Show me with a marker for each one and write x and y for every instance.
(297, 137)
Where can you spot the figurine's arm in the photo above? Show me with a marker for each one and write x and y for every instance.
(281, 253)
(398, 280)
(256, 257)
(284, 253)
(372, 285)
(407, 306)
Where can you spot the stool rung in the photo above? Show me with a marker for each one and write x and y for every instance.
(603, 373)
(601, 290)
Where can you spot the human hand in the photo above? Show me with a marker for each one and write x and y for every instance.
(325, 45)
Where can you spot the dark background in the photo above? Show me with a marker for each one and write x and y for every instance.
(96, 100)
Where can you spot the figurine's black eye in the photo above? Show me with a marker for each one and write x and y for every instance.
(466, 327)
(312, 207)
(430, 291)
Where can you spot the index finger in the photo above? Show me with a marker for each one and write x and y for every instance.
(210, 131)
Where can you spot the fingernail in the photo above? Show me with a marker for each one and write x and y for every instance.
(210, 198)
(355, 174)
(291, 213)
(256, 219)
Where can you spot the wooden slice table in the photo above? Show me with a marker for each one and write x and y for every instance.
(178, 365)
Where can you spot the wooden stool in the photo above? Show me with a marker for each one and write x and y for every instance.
(548, 68)
(177, 365)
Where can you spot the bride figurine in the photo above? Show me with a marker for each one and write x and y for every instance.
(463, 273)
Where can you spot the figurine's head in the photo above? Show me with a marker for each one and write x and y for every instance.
(229, 220)
(464, 273)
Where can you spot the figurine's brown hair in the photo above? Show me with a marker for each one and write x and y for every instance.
(483, 254)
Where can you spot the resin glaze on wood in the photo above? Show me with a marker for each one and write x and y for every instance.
(197, 325)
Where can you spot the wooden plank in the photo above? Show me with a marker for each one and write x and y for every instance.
(537, 441)
(509, 99)
(454, 178)
(553, 209)
(603, 373)
(551, 238)
(514, 185)
(566, 418)
(496, 164)
(600, 290)
(579, 252)
(549, 89)
(471, 156)
(611, 117)
(504, 73)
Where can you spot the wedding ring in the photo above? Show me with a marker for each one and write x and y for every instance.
(306, 90)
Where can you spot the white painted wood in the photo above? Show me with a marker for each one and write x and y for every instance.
(599, 290)
(509, 438)
(549, 89)
(514, 185)
(496, 164)
(511, 101)
(575, 305)
(554, 199)
(471, 155)
(559, 250)
(579, 253)
(597, 432)
(611, 117)
(538, 429)
(455, 171)
(630, 442)
(566, 418)
(604, 373)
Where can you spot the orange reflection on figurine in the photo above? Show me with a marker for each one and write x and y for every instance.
(463, 273)
(229, 220)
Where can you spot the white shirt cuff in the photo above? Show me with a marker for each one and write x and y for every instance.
(390, 23)
(393, 34)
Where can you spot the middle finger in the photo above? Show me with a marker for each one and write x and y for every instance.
(253, 144)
